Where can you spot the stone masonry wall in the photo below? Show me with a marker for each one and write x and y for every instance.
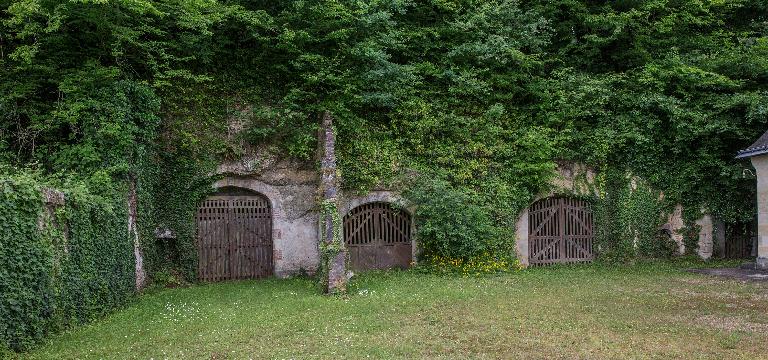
(578, 179)
(760, 163)
(291, 188)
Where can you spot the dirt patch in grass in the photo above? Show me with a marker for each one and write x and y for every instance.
(730, 323)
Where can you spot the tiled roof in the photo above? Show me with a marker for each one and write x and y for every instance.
(758, 148)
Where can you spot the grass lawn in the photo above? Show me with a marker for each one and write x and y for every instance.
(642, 311)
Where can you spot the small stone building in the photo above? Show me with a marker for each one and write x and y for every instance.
(757, 153)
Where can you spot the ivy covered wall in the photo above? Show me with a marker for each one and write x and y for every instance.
(65, 256)
(473, 98)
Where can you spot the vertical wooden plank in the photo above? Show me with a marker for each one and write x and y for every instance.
(561, 223)
(223, 273)
(256, 240)
(234, 237)
(242, 238)
(258, 250)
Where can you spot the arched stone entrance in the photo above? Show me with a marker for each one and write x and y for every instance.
(378, 236)
(560, 231)
(234, 236)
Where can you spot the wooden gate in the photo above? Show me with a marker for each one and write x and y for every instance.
(560, 231)
(234, 237)
(378, 236)
(740, 239)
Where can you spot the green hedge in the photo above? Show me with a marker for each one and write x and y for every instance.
(62, 266)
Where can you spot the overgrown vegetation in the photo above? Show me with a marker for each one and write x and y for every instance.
(456, 227)
(628, 218)
(481, 97)
(64, 264)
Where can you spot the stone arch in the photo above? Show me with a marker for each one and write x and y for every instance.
(258, 187)
(295, 229)
(377, 232)
(235, 235)
(375, 196)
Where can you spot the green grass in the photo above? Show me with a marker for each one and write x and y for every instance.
(643, 311)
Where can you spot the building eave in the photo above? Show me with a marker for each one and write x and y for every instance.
(748, 153)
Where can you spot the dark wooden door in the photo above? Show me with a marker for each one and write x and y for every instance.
(234, 238)
(378, 236)
(560, 231)
(740, 240)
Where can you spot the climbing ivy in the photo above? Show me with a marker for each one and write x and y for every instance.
(691, 230)
(60, 265)
(628, 214)
(178, 191)
(329, 251)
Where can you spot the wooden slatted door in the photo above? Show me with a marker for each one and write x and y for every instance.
(378, 236)
(740, 239)
(234, 238)
(560, 231)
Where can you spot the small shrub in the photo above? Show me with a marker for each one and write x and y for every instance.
(454, 228)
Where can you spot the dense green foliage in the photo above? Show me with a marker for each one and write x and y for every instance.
(668, 89)
(481, 96)
(628, 215)
(60, 265)
(448, 228)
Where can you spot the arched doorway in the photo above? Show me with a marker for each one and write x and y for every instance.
(560, 231)
(234, 236)
(378, 236)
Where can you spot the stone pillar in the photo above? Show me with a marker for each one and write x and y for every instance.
(760, 162)
(674, 225)
(706, 229)
(521, 238)
(133, 231)
(333, 254)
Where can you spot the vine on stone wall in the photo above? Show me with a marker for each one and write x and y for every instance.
(628, 214)
(690, 230)
(330, 250)
(63, 264)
